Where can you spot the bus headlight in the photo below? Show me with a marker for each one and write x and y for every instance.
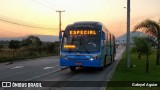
(95, 57)
(91, 59)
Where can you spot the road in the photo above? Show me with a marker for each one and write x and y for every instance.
(48, 69)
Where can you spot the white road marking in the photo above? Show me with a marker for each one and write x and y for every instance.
(17, 67)
(47, 68)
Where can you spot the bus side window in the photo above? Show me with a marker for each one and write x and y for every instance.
(108, 41)
(103, 35)
(106, 38)
(103, 41)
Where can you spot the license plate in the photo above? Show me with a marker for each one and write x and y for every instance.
(78, 63)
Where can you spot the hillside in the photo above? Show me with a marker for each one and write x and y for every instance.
(122, 38)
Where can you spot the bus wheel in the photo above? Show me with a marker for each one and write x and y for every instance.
(72, 68)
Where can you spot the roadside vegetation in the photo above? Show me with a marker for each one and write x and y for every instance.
(136, 73)
(152, 29)
(143, 46)
(30, 47)
(145, 52)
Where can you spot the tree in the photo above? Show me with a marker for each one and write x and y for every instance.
(143, 47)
(1, 46)
(51, 47)
(14, 45)
(34, 43)
(152, 29)
(26, 42)
(31, 41)
(137, 47)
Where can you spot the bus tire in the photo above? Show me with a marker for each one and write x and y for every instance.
(72, 68)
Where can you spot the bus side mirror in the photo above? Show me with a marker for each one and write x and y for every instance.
(103, 36)
(61, 34)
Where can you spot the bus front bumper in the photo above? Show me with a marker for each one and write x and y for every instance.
(85, 63)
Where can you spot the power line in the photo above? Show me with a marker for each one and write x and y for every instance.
(26, 24)
(49, 6)
(54, 5)
(12, 32)
(42, 4)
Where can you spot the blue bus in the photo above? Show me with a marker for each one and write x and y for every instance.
(86, 44)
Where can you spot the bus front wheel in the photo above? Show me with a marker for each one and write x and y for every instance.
(72, 68)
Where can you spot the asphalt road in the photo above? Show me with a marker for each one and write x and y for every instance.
(48, 69)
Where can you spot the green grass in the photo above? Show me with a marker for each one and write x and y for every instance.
(136, 73)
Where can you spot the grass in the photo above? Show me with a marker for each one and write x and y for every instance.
(136, 73)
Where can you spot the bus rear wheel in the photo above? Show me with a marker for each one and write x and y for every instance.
(72, 68)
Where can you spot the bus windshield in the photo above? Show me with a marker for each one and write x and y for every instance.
(81, 40)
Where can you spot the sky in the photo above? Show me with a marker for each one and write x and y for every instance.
(30, 17)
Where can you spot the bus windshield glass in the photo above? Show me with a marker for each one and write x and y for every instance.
(81, 40)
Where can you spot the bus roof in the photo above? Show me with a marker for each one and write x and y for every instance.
(88, 22)
(93, 23)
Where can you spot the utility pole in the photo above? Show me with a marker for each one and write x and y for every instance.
(59, 11)
(128, 36)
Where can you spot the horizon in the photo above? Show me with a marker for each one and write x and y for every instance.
(29, 17)
(55, 36)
